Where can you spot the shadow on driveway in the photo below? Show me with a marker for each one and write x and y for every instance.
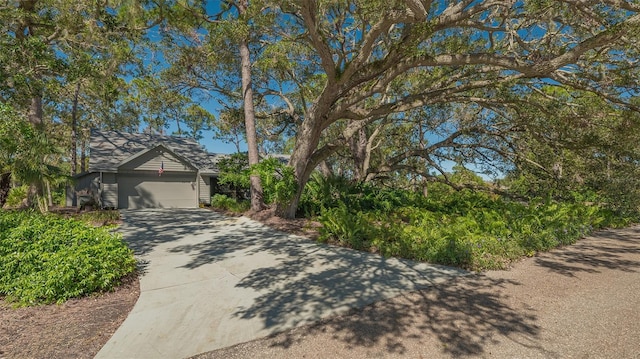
(608, 249)
(215, 281)
(287, 281)
(146, 229)
(571, 302)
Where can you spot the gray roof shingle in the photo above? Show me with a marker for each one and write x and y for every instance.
(108, 149)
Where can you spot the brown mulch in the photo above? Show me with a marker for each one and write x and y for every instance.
(75, 329)
(298, 226)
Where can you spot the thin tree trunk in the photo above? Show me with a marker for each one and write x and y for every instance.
(49, 195)
(237, 144)
(249, 116)
(74, 131)
(35, 117)
(35, 111)
(35, 114)
(358, 146)
(83, 155)
(33, 199)
(326, 169)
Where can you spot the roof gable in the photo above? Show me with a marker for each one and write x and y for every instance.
(111, 149)
(154, 157)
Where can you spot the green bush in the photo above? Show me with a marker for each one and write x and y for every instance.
(348, 228)
(277, 179)
(468, 229)
(59, 197)
(322, 193)
(16, 196)
(46, 258)
(223, 202)
(234, 175)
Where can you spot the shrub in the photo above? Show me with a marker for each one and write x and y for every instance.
(322, 193)
(277, 179)
(16, 196)
(468, 229)
(234, 175)
(223, 202)
(46, 258)
(348, 228)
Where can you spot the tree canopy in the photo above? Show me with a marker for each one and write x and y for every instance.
(378, 91)
(379, 62)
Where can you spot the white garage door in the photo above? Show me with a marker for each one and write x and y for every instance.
(153, 191)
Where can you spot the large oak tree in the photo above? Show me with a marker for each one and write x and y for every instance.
(381, 58)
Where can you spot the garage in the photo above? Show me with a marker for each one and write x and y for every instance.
(142, 170)
(148, 190)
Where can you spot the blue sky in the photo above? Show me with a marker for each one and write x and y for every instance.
(217, 146)
(214, 146)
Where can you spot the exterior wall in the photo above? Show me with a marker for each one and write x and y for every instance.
(109, 190)
(154, 159)
(204, 183)
(87, 182)
(70, 194)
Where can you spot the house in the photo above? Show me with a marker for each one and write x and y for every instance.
(139, 170)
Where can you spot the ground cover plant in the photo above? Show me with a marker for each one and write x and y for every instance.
(16, 196)
(105, 217)
(470, 229)
(225, 203)
(45, 258)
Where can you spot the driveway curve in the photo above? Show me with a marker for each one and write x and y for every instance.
(579, 301)
(211, 281)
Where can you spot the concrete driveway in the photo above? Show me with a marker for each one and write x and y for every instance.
(211, 281)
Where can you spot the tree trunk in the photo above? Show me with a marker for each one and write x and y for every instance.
(36, 117)
(83, 155)
(33, 197)
(5, 187)
(74, 132)
(307, 140)
(326, 169)
(249, 116)
(358, 146)
(49, 194)
(35, 112)
(306, 143)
